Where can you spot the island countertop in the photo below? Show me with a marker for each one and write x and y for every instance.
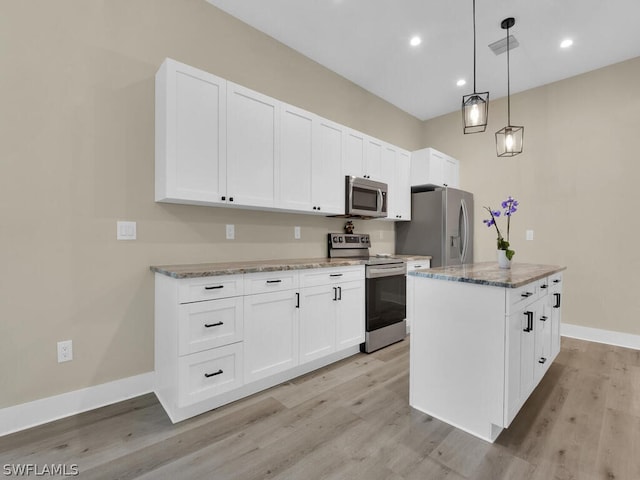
(488, 273)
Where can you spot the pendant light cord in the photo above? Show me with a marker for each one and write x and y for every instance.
(508, 84)
(474, 46)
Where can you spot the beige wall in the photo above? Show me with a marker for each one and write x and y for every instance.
(577, 181)
(77, 140)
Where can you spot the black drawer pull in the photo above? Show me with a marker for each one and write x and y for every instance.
(217, 324)
(335, 274)
(526, 294)
(543, 318)
(274, 281)
(544, 286)
(542, 360)
(214, 287)
(219, 372)
(557, 280)
(417, 266)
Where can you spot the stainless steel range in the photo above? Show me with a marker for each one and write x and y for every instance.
(386, 286)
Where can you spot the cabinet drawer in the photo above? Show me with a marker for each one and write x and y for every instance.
(544, 285)
(522, 296)
(270, 281)
(205, 325)
(328, 276)
(418, 265)
(206, 374)
(208, 288)
(555, 280)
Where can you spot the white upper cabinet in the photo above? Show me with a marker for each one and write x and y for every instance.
(396, 170)
(190, 135)
(253, 128)
(296, 156)
(373, 160)
(354, 152)
(431, 167)
(328, 182)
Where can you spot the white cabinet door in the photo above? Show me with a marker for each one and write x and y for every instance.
(555, 304)
(270, 333)
(451, 172)
(296, 152)
(402, 184)
(431, 167)
(542, 358)
(190, 135)
(317, 322)
(328, 181)
(373, 160)
(354, 153)
(411, 266)
(389, 173)
(253, 128)
(350, 314)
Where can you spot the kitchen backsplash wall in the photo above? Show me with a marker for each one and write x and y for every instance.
(77, 131)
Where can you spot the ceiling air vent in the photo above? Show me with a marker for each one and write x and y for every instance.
(500, 46)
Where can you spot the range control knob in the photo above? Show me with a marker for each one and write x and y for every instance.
(335, 239)
(340, 240)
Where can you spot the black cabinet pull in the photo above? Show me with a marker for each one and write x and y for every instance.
(219, 372)
(335, 294)
(526, 294)
(297, 300)
(543, 286)
(339, 293)
(214, 287)
(529, 322)
(542, 360)
(318, 208)
(223, 198)
(231, 199)
(274, 281)
(543, 318)
(217, 324)
(335, 274)
(314, 208)
(557, 280)
(557, 305)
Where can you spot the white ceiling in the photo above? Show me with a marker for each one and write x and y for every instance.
(367, 41)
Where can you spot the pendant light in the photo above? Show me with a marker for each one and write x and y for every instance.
(475, 107)
(509, 140)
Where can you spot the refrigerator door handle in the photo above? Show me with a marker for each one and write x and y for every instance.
(465, 238)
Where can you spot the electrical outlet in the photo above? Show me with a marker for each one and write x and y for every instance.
(231, 232)
(65, 351)
(296, 233)
(529, 235)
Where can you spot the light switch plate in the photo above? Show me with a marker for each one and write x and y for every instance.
(231, 232)
(296, 233)
(529, 235)
(126, 230)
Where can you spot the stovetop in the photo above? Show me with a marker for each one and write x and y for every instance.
(356, 246)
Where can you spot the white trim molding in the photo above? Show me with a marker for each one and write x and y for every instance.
(598, 335)
(31, 414)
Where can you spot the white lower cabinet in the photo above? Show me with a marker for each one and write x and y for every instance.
(271, 333)
(411, 266)
(221, 338)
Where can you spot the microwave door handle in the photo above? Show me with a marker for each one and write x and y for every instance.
(380, 200)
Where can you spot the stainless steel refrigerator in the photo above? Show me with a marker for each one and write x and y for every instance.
(441, 226)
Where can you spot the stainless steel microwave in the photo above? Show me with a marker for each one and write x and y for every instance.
(365, 198)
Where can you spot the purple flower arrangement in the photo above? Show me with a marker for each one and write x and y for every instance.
(509, 207)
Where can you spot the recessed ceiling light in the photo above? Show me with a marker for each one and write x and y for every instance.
(461, 82)
(566, 43)
(415, 41)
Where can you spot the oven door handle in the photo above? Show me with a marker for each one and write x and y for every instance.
(385, 271)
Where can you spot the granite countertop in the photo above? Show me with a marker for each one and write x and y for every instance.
(255, 266)
(488, 273)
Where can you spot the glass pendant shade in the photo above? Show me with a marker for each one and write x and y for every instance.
(509, 141)
(475, 112)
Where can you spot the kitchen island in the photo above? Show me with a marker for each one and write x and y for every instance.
(482, 338)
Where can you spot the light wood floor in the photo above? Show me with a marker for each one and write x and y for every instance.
(352, 421)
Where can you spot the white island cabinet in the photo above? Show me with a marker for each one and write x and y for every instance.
(481, 340)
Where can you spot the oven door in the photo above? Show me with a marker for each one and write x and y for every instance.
(386, 295)
(366, 197)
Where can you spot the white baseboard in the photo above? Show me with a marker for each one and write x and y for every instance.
(598, 335)
(31, 414)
